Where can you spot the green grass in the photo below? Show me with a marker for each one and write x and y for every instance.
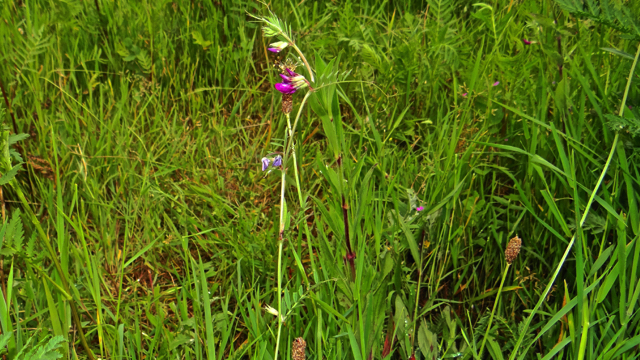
(147, 122)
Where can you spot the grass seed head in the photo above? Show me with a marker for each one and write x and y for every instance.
(297, 350)
(513, 249)
(287, 103)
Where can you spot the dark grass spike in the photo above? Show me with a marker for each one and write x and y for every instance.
(350, 254)
(6, 101)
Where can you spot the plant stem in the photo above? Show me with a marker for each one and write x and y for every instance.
(288, 145)
(301, 201)
(304, 59)
(280, 243)
(495, 305)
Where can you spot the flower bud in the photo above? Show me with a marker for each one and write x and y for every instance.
(276, 47)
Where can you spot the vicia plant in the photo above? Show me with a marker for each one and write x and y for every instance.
(291, 83)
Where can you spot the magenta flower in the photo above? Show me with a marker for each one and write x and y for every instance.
(526, 42)
(285, 88)
(291, 83)
(265, 163)
(277, 161)
(419, 208)
(464, 95)
(496, 83)
(276, 47)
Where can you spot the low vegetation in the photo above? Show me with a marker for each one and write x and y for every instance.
(439, 179)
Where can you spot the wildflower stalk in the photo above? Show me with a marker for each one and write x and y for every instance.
(304, 60)
(280, 243)
(293, 45)
(299, 191)
(288, 135)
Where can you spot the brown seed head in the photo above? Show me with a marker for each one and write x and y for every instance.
(287, 103)
(297, 350)
(513, 249)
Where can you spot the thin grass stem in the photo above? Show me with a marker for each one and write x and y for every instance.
(495, 305)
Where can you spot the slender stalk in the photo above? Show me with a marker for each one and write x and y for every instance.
(279, 297)
(288, 145)
(45, 240)
(301, 200)
(280, 243)
(295, 123)
(304, 60)
(495, 305)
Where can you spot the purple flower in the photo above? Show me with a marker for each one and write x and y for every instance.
(464, 95)
(291, 83)
(285, 88)
(496, 83)
(419, 208)
(276, 47)
(277, 161)
(265, 163)
(526, 42)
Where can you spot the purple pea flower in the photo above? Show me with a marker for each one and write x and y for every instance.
(276, 47)
(464, 95)
(496, 83)
(265, 163)
(291, 83)
(419, 208)
(277, 161)
(285, 88)
(526, 42)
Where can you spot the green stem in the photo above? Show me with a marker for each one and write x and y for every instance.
(304, 60)
(495, 305)
(288, 145)
(280, 243)
(279, 298)
(302, 204)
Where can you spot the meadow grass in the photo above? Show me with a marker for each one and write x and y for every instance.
(147, 122)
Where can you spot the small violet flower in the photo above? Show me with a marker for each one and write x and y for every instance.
(419, 208)
(265, 163)
(291, 83)
(277, 161)
(464, 95)
(496, 83)
(526, 42)
(276, 47)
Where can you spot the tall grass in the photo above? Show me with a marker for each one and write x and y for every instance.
(144, 124)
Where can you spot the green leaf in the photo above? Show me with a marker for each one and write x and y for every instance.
(17, 137)
(10, 175)
(618, 52)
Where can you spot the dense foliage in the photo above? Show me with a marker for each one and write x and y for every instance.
(134, 204)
